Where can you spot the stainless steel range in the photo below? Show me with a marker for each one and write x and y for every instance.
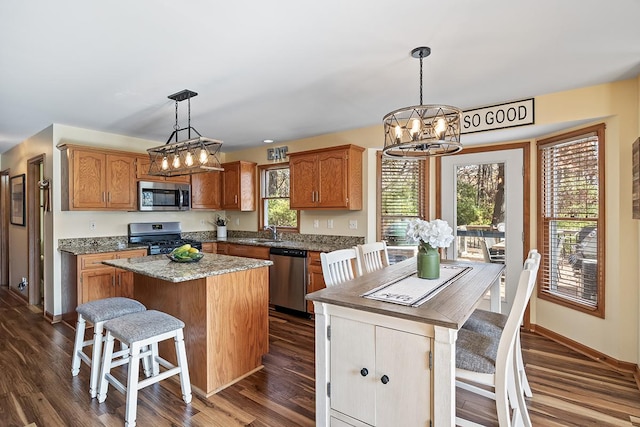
(160, 237)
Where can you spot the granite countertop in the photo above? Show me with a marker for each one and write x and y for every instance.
(161, 267)
(98, 249)
(290, 244)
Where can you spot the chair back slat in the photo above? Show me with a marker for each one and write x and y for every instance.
(373, 256)
(339, 266)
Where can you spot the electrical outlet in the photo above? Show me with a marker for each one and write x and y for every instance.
(237, 221)
(353, 224)
(316, 223)
(92, 225)
(329, 223)
(202, 222)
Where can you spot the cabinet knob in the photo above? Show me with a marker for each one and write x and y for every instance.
(384, 379)
(364, 372)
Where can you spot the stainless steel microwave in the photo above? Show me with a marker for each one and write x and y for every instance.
(163, 196)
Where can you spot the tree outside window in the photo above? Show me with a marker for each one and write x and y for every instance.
(275, 198)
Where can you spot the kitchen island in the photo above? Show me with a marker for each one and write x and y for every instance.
(381, 363)
(224, 303)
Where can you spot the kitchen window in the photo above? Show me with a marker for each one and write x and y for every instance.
(402, 196)
(571, 219)
(274, 206)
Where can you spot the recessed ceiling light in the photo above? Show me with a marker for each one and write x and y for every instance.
(268, 141)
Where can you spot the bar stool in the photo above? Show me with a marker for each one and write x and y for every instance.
(141, 332)
(97, 312)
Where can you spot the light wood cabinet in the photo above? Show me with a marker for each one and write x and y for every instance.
(379, 375)
(315, 280)
(328, 178)
(206, 191)
(97, 281)
(239, 186)
(85, 278)
(95, 179)
(248, 251)
(209, 247)
(142, 172)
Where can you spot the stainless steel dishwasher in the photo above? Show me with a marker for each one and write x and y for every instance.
(288, 278)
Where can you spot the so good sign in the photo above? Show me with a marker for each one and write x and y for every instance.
(501, 116)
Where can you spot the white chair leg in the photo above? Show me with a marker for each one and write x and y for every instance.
(522, 411)
(132, 386)
(181, 355)
(105, 369)
(77, 346)
(96, 354)
(155, 366)
(522, 375)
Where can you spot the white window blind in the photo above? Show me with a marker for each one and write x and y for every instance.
(401, 198)
(571, 207)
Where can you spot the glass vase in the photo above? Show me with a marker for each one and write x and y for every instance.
(428, 262)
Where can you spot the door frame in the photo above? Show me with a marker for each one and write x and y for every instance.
(4, 227)
(526, 183)
(34, 219)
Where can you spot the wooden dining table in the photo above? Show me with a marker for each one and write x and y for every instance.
(435, 321)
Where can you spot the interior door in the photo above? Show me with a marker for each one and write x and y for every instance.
(483, 200)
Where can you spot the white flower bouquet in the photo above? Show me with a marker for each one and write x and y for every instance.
(436, 233)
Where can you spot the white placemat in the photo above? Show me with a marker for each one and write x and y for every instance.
(413, 291)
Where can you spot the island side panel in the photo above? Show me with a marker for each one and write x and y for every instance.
(238, 306)
(187, 302)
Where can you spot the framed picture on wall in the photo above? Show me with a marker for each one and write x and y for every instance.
(17, 199)
(636, 179)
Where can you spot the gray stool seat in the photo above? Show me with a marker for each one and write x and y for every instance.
(486, 322)
(108, 308)
(97, 313)
(143, 325)
(140, 334)
(476, 352)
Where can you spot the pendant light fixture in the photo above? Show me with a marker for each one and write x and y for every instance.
(190, 156)
(422, 131)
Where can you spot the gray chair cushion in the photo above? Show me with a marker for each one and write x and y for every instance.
(486, 323)
(139, 326)
(476, 352)
(108, 308)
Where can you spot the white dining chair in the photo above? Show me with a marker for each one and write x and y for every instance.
(488, 255)
(340, 266)
(372, 256)
(491, 361)
(491, 323)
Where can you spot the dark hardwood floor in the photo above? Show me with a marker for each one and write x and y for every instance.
(36, 387)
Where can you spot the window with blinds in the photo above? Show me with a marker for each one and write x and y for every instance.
(571, 219)
(402, 196)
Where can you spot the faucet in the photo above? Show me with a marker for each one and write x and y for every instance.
(274, 233)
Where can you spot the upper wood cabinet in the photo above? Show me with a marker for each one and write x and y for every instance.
(239, 186)
(206, 190)
(95, 179)
(329, 178)
(142, 172)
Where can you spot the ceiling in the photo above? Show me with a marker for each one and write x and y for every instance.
(288, 69)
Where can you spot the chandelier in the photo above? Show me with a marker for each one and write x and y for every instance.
(421, 131)
(190, 156)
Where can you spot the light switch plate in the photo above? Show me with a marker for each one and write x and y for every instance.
(329, 223)
(316, 223)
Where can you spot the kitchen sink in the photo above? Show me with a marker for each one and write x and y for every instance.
(256, 240)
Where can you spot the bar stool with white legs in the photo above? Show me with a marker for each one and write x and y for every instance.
(97, 312)
(141, 333)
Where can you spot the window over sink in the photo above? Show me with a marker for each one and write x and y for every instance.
(274, 192)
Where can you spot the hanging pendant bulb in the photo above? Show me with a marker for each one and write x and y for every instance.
(440, 128)
(204, 157)
(165, 163)
(188, 159)
(176, 161)
(415, 129)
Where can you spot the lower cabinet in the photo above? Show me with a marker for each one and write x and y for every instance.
(378, 375)
(209, 247)
(86, 279)
(315, 280)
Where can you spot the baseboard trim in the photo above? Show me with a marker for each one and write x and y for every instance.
(589, 352)
(53, 318)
